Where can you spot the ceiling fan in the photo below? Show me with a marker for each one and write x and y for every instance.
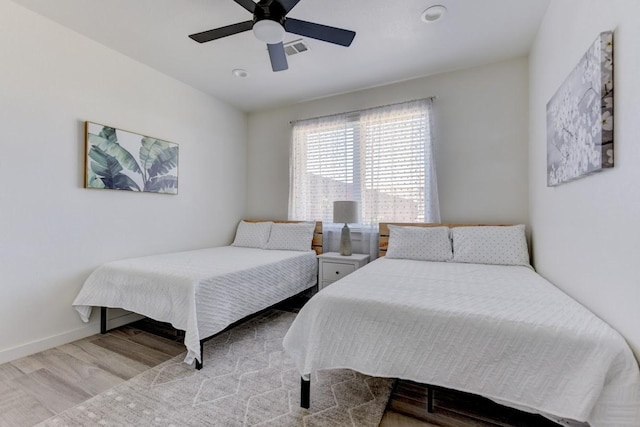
(270, 23)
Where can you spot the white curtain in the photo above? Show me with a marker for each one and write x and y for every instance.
(381, 157)
(320, 154)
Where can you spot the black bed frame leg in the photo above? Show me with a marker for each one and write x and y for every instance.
(103, 320)
(305, 393)
(199, 364)
(429, 399)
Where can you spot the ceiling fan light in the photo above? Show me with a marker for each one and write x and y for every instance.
(268, 31)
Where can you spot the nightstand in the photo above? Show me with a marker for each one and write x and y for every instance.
(334, 266)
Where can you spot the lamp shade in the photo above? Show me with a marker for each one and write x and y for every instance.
(345, 211)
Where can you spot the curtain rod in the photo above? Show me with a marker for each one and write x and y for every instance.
(431, 98)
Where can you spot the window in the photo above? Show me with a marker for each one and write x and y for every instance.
(380, 157)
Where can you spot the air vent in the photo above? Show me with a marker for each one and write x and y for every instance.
(295, 47)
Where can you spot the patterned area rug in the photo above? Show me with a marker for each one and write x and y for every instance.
(247, 380)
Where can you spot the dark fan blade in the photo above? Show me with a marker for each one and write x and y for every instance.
(218, 33)
(288, 4)
(320, 32)
(247, 4)
(278, 57)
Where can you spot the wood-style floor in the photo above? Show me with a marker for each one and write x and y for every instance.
(36, 387)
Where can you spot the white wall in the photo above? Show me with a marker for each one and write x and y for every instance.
(53, 232)
(481, 120)
(586, 232)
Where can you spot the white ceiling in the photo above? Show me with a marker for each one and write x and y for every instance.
(391, 44)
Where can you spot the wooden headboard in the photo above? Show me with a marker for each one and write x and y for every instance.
(384, 231)
(316, 243)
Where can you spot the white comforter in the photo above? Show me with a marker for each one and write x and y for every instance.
(202, 291)
(498, 331)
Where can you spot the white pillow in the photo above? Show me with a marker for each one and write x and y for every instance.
(291, 236)
(490, 245)
(420, 243)
(252, 234)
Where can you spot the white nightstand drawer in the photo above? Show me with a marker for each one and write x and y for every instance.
(334, 266)
(334, 271)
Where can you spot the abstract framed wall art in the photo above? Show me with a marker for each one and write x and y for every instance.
(580, 117)
(121, 160)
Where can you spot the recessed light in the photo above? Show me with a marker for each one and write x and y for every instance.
(239, 72)
(434, 13)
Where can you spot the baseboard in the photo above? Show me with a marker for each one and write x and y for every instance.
(87, 330)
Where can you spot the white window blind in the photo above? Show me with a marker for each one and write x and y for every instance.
(381, 157)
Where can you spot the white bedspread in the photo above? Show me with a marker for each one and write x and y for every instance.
(498, 331)
(202, 291)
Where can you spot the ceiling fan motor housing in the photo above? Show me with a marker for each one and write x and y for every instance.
(271, 10)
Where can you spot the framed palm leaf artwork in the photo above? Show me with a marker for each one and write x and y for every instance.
(121, 160)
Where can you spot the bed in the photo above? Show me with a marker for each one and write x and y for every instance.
(499, 331)
(202, 292)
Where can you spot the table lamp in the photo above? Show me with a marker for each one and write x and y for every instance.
(345, 211)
